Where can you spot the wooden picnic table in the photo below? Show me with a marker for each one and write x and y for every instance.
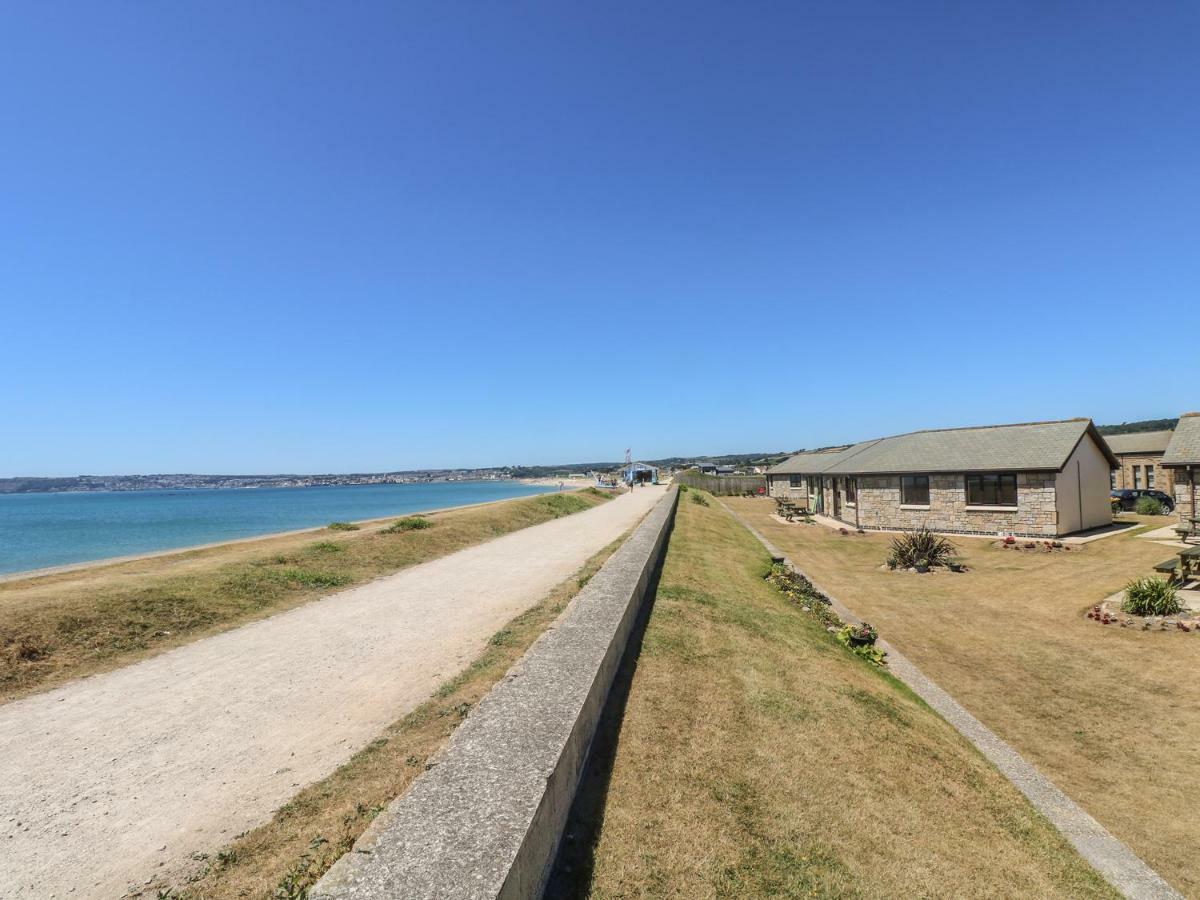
(1182, 567)
(789, 508)
(1189, 564)
(1189, 530)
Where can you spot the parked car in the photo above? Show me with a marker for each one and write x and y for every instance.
(1129, 497)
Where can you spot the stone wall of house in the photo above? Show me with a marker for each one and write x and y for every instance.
(1164, 479)
(780, 486)
(1035, 515)
(1184, 482)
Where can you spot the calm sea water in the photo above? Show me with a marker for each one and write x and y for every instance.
(39, 530)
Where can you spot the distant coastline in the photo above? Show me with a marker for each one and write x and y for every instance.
(188, 481)
(40, 529)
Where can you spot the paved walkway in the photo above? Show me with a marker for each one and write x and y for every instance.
(1120, 866)
(107, 779)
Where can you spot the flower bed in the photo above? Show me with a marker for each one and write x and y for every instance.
(799, 590)
(1149, 604)
(1026, 545)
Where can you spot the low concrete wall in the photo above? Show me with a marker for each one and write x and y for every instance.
(486, 819)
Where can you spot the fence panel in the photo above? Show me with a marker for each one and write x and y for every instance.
(726, 485)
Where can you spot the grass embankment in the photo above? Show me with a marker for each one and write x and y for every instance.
(58, 627)
(759, 757)
(1112, 715)
(285, 857)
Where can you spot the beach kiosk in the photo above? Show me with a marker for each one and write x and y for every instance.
(636, 473)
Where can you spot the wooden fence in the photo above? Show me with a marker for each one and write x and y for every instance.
(727, 485)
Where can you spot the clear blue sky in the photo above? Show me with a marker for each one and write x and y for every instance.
(251, 237)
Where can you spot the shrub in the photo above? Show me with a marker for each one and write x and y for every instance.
(699, 499)
(1151, 597)
(851, 637)
(309, 578)
(325, 547)
(920, 548)
(563, 504)
(408, 523)
(341, 526)
(1148, 506)
(683, 489)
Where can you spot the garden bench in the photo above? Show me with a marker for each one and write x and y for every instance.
(1168, 567)
(1189, 564)
(789, 509)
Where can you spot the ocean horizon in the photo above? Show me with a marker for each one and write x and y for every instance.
(39, 531)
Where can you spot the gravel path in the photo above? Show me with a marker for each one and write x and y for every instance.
(106, 780)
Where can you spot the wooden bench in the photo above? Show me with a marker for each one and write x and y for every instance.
(789, 509)
(1168, 567)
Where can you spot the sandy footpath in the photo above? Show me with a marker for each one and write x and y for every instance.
(105, 780)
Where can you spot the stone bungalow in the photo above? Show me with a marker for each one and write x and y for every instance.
(1043, 479)
(1183, 460)
(1140, 456)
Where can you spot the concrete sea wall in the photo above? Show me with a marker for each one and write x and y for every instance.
(486, 819)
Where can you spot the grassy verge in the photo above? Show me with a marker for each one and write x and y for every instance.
(58, 627)
(285, 857)
(759, 757)
(1110, 714)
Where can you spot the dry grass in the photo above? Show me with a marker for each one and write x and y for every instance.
(283, 858)
(1112, 715)
(758, 757)
(58, 627)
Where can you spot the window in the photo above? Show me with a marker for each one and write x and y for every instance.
(1149, 476)
(1112, 481)
(851, 491)
(991, 490)
(1137, 477)
(795, 481)
(914, 490)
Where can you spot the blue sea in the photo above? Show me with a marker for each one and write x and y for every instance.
(40, 530)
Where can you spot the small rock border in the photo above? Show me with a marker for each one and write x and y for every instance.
(1028, 545)
(1110, 613)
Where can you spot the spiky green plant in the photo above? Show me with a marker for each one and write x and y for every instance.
(920, 548)
(1151, 597)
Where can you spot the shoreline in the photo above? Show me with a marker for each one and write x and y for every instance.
(65, 568)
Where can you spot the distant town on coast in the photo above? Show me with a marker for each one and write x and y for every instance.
(82, 483)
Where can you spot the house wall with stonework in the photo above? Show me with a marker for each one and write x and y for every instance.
(780, 486)
(1187, 486)
(1164, 479)
(1035, 514)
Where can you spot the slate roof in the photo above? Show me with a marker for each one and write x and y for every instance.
(1142, 442)
(1184, 449)
(1035, 446)
(815, 462)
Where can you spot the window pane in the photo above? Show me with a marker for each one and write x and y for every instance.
(973, 491)
(1007, 490)
(1149, 476)
(914, 490)
(991, 490)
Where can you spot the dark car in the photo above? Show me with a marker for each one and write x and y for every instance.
(1129, 497)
